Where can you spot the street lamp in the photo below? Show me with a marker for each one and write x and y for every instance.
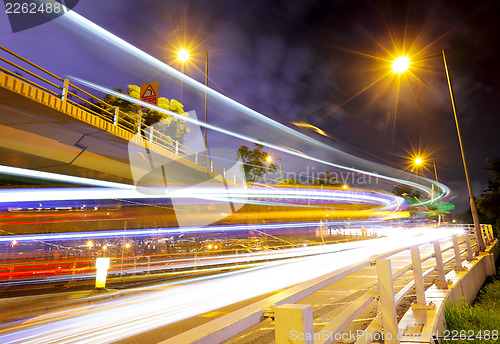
(402, 64)
(270, 159)
(184, 55)
(90, 244)
(419, 161)
(473, 208)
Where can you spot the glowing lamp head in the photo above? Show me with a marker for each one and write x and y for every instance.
(89, 243)
(418, 161)
(344, 186)
(183, 55)
(401, 64)
(269, 159)
(127, 245)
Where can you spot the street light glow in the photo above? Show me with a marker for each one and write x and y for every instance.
(269, 159)
(183, 55)
(401, 64)
(418, 161)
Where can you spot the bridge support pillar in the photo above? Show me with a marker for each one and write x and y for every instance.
(293, 324)
(421, 303)
(458, 257)
(387, 302)
(441, 281)
(470, 256)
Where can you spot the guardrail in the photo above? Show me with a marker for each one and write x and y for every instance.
(55, 86)
(291, 317)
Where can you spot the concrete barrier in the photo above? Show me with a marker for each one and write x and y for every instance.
(425, 326)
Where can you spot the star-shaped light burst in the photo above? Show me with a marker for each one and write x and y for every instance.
(401, 64)
(183, 55)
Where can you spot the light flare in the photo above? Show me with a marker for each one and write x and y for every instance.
(401, 64)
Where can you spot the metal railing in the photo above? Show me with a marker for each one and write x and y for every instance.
(41, 79)
(228, 326)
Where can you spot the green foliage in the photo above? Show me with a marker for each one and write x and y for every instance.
(489, 295)
(173, 127)
(290, 181)
(472, 321)
(254, 163)
(476, 318)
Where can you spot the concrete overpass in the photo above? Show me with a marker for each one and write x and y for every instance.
(43, 131)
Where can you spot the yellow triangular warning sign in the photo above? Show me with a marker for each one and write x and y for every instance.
(149, 92)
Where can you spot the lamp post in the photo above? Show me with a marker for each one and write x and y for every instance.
(401, 65)
(417, 162)
(473, 208)
(184, 55)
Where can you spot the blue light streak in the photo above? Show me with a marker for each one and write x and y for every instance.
(89, 29)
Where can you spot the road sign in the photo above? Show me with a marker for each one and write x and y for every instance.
(149, 93)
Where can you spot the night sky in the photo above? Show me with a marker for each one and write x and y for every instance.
(315, 62)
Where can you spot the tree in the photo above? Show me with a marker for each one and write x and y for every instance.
(290, 181)
(254, 163)
(489, 203)
(172, 127)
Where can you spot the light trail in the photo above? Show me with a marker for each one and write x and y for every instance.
(88, 29)
(204, 193)
(22, 172)
(427, 190)
(114, 320)
(256, 195)
(48, 237)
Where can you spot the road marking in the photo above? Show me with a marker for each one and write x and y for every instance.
(212, 314)
(337, 292)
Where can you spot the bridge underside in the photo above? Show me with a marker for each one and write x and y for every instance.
(36, 136)
(39, 137)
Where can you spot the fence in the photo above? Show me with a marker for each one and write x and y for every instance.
(289, 316)
(32, 75)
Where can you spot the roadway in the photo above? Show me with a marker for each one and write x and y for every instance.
(163, 306)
